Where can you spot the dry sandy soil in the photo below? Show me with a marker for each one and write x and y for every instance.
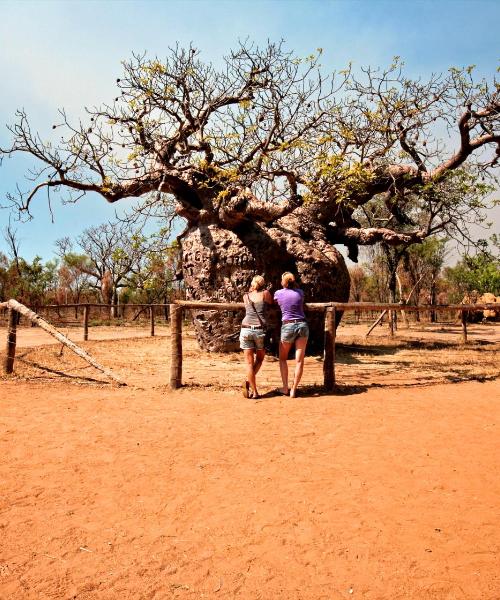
(387, 489)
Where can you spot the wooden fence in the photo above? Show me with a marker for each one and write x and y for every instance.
(329, 309)
(176, 314)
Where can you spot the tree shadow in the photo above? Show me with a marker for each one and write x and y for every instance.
(344, 349)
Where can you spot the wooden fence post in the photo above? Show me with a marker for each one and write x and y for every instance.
(391, 323)
(85, 322)
(175, 346)
(464, 326)
(329, 357)
(152, 318)
(11, 342)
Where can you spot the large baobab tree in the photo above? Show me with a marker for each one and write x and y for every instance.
(269, 162)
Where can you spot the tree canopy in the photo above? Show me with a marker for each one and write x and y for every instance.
(269, 131)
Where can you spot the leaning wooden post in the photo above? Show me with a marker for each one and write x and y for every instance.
(11, 342)
(86, 322)
(329, 358)
(175, 346)
(34, 318)
(152, 318)
(376, 323)
(464, 326)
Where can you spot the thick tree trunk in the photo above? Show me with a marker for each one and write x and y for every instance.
(115, 310)
(392, 259)
(393, 315)
(219, 263)
(432, 300)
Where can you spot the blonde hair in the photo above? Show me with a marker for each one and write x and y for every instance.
(288, 278)
(257, 284)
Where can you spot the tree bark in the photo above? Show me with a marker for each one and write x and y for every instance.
(432, 299)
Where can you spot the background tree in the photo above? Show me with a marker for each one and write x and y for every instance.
(358, 278)
(449, 206)
(33, 283)
(376, 285)
(10, 237)
(4, 276)
(423, 264)
(478, 272)
(268, 157)
(74, 278)
(154, 277)
(114, 253)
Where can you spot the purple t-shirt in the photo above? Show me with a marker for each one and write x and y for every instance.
(291, 302)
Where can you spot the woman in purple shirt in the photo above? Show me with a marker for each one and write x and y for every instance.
(294, 330)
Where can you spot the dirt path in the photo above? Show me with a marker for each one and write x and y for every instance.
(111, 493)
(387, 489)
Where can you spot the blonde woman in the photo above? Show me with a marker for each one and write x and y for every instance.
(253, 332)
(294, 330)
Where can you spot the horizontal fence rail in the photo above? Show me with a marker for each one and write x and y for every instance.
(321, 306)
(100, 305)
(88, 315)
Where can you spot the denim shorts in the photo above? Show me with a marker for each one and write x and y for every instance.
(291, 331)
(252, 339)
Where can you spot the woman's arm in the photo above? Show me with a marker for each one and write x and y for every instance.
(268, 299)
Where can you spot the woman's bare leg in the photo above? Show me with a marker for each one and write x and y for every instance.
(254, 359)
(284, 350)
(249, 357)
(259, 359)
(300, 353)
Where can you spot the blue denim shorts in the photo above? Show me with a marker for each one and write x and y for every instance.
(252, 339)
(291, 331)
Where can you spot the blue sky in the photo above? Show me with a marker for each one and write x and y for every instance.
(68, 54)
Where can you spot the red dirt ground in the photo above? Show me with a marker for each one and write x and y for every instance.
(379, 492)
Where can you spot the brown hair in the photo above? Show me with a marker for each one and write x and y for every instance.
(288, 280)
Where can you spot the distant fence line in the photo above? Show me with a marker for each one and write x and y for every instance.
(73, 314)
(91, 313)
